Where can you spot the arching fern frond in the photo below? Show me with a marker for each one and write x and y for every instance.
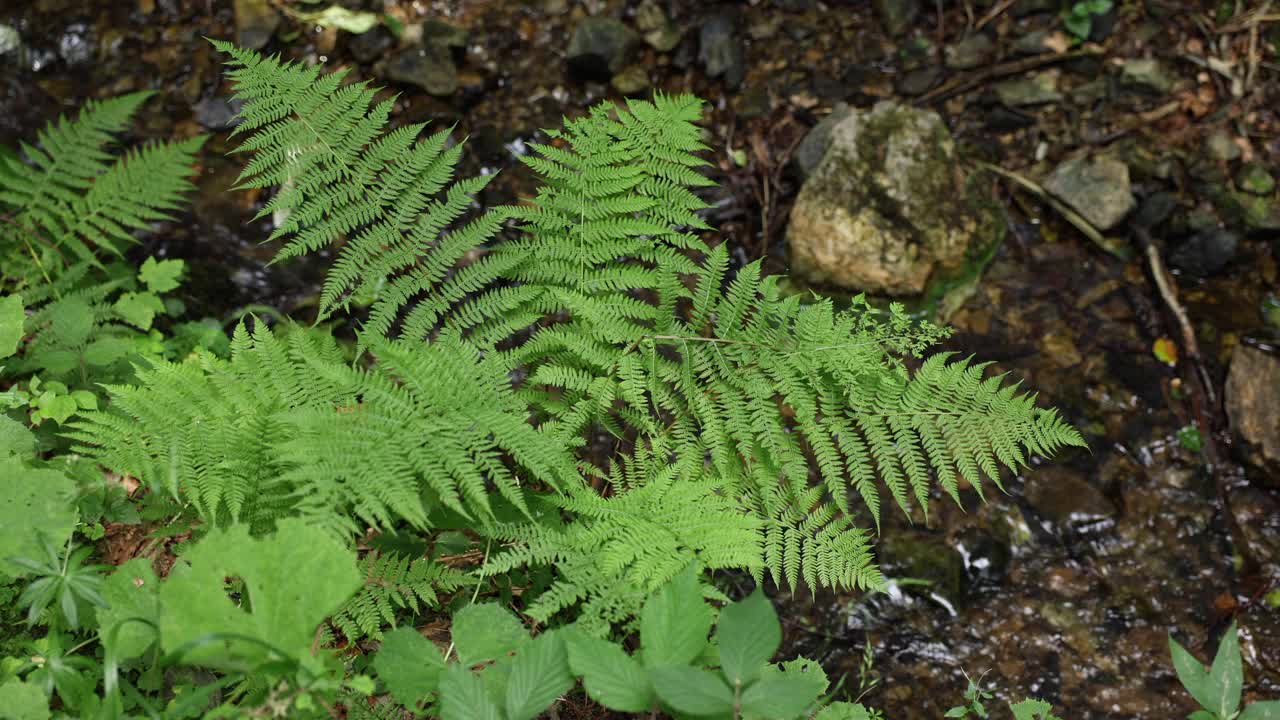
(394, 584)
(72, 194)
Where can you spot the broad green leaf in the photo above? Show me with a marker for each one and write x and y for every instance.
(610, 676)
(139, 309)
(161, 276)
(692, 690)
(353, 21)
(463, 696)
(539, 675)
(1032, 709)
(1203, 715)
(1266, 710)
(748, 635)
(674, 622)
(16, 439)
(132, 591)
(11, 319)
(22, 701)
(1191, 674)
(1226, 675)
(958, 711)
(35, 502)
(293, 580)
(58, 408)
(843, 711)
(107, 350)
(409, 664)
(486, 632)
(70, 321)
(782, 695)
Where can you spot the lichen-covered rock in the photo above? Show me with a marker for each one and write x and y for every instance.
(887, 205)
(1253, 404)
(1096, 187)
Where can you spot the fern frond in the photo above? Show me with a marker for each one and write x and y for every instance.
(394, 583)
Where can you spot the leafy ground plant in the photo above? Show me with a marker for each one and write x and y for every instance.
(1218, 687)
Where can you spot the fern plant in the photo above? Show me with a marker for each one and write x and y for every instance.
(496, 364)
(394, 583)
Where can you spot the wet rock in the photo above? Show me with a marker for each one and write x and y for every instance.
(720, 49)
(1155, 209)
(986, 559)
(1253, 404)
(974, 51)
(633, 80)
(814, 145)
(1066, 499)
(1038, 89)
(1221, 146)
(1035, 42)
(897, 15)
(10, 40)
(600, 47)
(369, 46)
(435, 32)
(429, 67)
(658, 31)
(216, 113)
(1096, 187)
(1206, 253)
(1147, 76)
(918, 82)
(1257, 515)
(921, 556)
(76, 45)
(1255, 179)
(887, 205)
(256, 22)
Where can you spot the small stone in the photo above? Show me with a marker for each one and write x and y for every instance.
(1206, 253)
(897, 15)
(1066, 499)
(926, 557)
(256, 22)
(814, 145)
(1097, 188)
(370, 46)
(974, 51)
(918, 82)
(10, 40)
(1221, 146)
(1253, 404)
(1155, 209)
(600, 47)
(76, 46)
(1036, 42)
(1257, 514)
(1038, 89)
(1254, 179)
(1147, 75)
(720, 49)
(436, 32)
(631, 81)
(217, 113)
(429, 67)
(658, 31)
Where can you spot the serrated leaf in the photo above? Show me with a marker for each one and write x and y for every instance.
(161, 276)
(486, 632)
(610, 676)
(1031, 709)
(70, 321)
(409, 664)
(1226, 675)
(1265, 710)
(782, 695)
(674, 622)
(139, 309)
(692, 690)
(293, 580)
(463, 696)
(12, 317)
(539, 675)
(15, 439)
(748, 635)
(22, 701)
(35, 502)
(843, 711)
(132, 594)
(58, 408)
(1191, 674)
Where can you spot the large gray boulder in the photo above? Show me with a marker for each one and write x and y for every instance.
(887, 205)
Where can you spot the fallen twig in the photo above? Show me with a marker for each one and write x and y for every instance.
(964, 83)
(1067, 213)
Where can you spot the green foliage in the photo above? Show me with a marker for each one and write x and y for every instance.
(39, 510)
(394, 583)
(1078, 18)
(1218, 688)
(59, 575)
(71, 194)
